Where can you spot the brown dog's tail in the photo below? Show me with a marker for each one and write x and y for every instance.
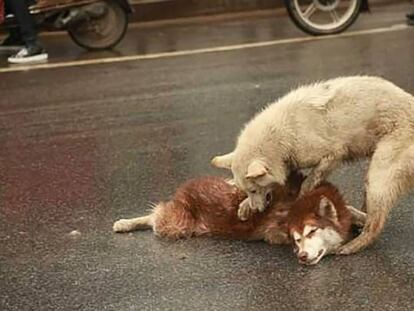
(168, 219)
(132, 224)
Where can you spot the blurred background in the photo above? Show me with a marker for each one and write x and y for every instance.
(116, 103)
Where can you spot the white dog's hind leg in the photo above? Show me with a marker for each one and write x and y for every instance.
(320, 172)
(377, 212)
(390, 174)
(132, 224)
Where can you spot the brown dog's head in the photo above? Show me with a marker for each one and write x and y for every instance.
(318, 223)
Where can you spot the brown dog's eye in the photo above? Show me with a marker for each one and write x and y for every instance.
(253, 191)
(312, 232)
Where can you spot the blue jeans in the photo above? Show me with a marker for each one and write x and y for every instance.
(27, 28)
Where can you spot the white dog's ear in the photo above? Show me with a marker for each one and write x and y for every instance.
(256, 169)
(327, 209)
(259, 173)
(223, 161)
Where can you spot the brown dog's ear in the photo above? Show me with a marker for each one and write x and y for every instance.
(223, 161)
(327, 209)
(259, 173)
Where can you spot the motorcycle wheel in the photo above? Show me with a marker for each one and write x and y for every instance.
(323, 17)
(103, 32)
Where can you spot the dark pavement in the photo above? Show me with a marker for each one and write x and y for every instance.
(84, 146)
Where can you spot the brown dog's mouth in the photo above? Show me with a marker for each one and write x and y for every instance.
(314, 261)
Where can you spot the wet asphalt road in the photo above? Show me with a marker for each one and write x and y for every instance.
(84, 146)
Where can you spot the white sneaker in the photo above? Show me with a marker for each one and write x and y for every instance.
(31, 54)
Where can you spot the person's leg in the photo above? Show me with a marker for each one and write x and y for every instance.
(13, 40)
(33, 51)
(410, 19)
(26, 23)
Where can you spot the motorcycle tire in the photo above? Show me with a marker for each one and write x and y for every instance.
(298, 19)
(112, 28)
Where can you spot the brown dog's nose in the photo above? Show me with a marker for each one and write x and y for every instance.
(303, 256)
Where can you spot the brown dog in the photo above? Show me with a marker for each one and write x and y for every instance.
(209, 206)
(318, 223)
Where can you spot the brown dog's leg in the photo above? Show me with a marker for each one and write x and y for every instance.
(132, 224)
(276, 237)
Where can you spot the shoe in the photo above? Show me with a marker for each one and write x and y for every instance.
(11, 43)
(410, 19)
(30, 54)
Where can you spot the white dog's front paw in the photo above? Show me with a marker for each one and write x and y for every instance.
(122, 225)
(244, 213)
(245, 210)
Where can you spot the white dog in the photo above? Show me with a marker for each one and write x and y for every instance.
(319, 126)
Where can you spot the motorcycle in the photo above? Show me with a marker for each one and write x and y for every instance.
(323, 17)
(101, 24)
(92, 24)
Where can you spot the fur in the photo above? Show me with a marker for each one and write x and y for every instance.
(319, 223)
(306, 211)
(322, 125)
(208, 206)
